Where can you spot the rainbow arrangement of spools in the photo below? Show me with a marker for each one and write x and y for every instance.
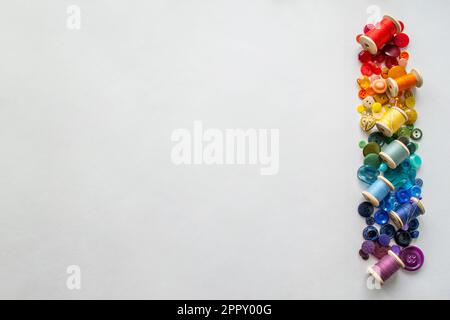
(393, 194)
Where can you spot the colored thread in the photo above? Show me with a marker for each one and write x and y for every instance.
(378, 190)
(386, 267)
(391, 121)
(406, 212)
(394, 154)
(376, 38)
(407, 81)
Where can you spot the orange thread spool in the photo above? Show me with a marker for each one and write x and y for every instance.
(407, 81)
(376, 38)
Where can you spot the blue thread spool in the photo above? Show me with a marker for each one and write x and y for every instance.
(394, 154)
(378, 190)
(406, 212)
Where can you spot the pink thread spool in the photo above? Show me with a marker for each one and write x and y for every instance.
(386, 267)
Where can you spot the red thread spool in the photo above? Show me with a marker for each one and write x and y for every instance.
(376, 38)
(407, 81)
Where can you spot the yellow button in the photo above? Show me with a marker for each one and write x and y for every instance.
(396, 72)
(410, 102)
(363, 82)
(376, 107)
(412, 116)
(360, 108)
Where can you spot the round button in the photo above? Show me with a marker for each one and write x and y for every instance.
(404, 140)
(365, 209)
(388, 229)
(412, 257)
(391, 61)
(415, 191)
(360, 108)
(384, 240)
(376, 107)
(370, 233)
(418, 182)
(364, 56)
(367, 174)
(416, 134)
(396, 72)
(377, 137)
(371, 147)
(380, 251)
(402, 238)
(404, 55)
(368, 246)
(396, 249)
(381, 217)
(391, 50)
(413, 224)
(370, 221)
(366, 69)
(401, 40)
(410, 102)
(402, 195)
(362, 143)
(414, 234)
(412, 115)
(362, 93)
(372, 160)
(363, 255)
(416, 161)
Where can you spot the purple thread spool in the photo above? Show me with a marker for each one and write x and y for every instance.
(386, 267)
(406, 212)
(378, 190)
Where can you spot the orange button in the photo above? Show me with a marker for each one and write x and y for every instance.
(404, 55)
(362, 93)
(396, 72)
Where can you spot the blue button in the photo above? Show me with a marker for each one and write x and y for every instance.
(402, 195)
(388, 229)
(413, 225)
(381, 217)
(370, 233)
(414, 234)
(365, 209)
(370, 221)
(415, 191)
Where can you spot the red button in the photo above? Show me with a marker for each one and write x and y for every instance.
(391, 61)
(391, 50)
(366, 69)
(364, 56)
(401, 40)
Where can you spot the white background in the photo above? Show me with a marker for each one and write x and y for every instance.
(85, 170)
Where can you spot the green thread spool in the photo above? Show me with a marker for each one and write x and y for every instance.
(394, 153)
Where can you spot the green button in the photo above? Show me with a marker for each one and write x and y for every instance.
(373, 160)
(371, 147)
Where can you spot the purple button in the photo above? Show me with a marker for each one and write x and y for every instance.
(368, 246)
(412, 257)
(384, 240)
(396, 249)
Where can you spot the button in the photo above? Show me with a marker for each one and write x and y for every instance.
(416, 134)
(404, 55)
(365, 209)
(418, 182)
(367, 122)
(383, 167)
(402, 195)
(384, 240)
(401, 40)
(413, 224)
(410, 102)
(362, 144)
(368, 102)
(384, 72)
(366, 69)
(360, 108)
(415, 191)
(380, 251)
(372, 160)
(391, 50)
(381, 217)
(414, 234)
(402, 25)
(402, 238)
(362, 93)
(379, 57)
(368, 27)
(377, 137)
(367, 174)
(363, 255)
(370, 221)
(388, 229)
(412, 115)
(364, 56)
(396, 249)
(371, 147)
(379, 86)
(404, 140)
(412, 257)
(402, 62)
(371, 233)
(415, 160)
(368, 246)
(396, 72)
(386, 205)
(363, 82)
(408, 93)
(391, 61)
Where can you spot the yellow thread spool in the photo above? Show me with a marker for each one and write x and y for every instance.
(407, 81)
(391, 121)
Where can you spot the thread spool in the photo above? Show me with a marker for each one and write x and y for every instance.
(376, 38)
(394, 153)
(406, 212)
(408, 81)
(378, 190)
(386, 267)
(391, 121)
